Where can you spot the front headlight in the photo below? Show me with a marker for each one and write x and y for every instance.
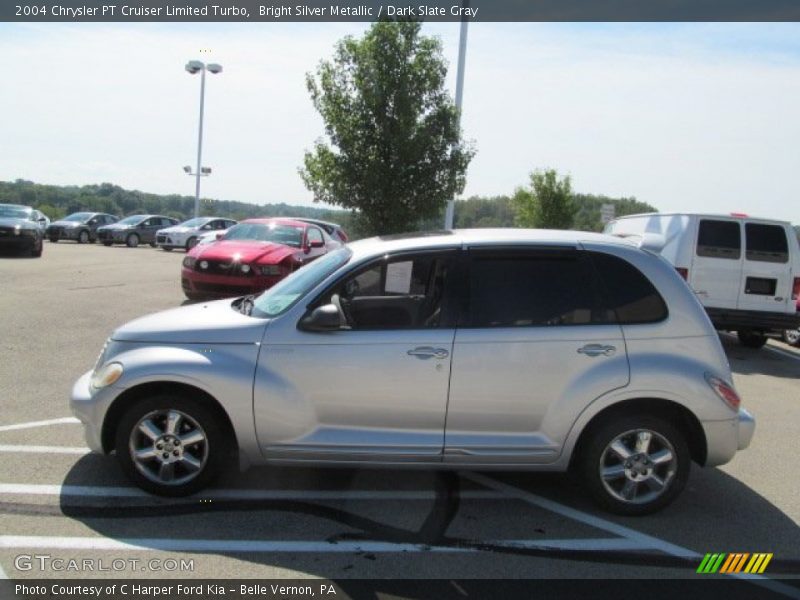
(106, 375)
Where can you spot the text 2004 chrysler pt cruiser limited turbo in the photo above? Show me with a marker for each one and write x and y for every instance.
(484, 349)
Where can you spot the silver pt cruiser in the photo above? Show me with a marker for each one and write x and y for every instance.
(474, 349)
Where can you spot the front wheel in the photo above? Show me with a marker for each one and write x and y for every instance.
(750, 338)
(83, 237)
(170, 445)
(191, 243)
(635, 465)
(132, 240)
(791, 336)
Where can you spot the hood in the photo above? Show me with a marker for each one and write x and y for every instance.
(249, 251)
(67, 223)
(23, 223)
(205, 323)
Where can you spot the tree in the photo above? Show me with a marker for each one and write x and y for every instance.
(548, 204)
(398, 153)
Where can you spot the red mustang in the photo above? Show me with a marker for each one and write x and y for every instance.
(251, 257)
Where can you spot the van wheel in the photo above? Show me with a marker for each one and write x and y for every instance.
(170, 445)
(791, 336)
(751, 338)
(635, 465)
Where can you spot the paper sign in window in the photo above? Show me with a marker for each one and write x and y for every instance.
(398, 277)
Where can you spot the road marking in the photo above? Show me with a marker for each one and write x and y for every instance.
(631, 534)
(31, 424)
(90, 491)
(214, 545)
(783, 352)
(43, 449)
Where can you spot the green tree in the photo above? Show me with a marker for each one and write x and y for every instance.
(547, 204)
(396, 154)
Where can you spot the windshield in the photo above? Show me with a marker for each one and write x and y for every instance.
(287, 292)
(79, 217)
(199, 222)
(15, 212)
(274, 232)
(132, 220)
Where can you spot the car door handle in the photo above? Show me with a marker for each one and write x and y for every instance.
(425, 352)
(597, 350)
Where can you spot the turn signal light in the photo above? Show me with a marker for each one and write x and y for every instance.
(796, 288)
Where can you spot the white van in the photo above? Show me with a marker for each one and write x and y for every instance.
(745, 271)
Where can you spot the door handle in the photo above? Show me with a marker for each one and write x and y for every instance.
(597, 350)
(426, 352)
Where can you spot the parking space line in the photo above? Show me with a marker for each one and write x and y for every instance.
(43, 449)
(783, 352)
(631, 534)
(32, 424)
(89, 491)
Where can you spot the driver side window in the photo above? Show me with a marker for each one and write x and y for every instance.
(401, 293)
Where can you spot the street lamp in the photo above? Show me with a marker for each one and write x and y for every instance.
(462, 54)
(193, 67)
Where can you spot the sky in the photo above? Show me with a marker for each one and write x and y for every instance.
(686, 117)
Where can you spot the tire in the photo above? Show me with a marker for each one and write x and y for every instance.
(132, 240)
(53, 240)
(751, 338)
(153, 244)
(166, 248)
(791, 336)
(107, 243)
(193, 296)
(634, 478)
(191, 243)
(83, 237)
(37, 252)
(208, 453)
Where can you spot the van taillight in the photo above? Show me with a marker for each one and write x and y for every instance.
(796, 289)
(684, 272)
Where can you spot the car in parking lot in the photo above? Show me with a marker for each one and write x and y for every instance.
(21, 229)
(80, 226)
(474, 349)
(185, 235)
(251, 257)
(134, 230)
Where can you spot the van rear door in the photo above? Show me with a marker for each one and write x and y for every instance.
(767, 274)
(717, 262)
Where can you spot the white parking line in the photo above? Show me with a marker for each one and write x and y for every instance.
(89, 491)
(32, 424)
(43, 449)
(642, 539)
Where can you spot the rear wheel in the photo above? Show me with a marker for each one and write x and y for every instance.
(191, 243)
(166, 248)
(107, 243)
(171, 445)
(635, 465)
(83, 237)
(791, 336)
(132, 240)
(751, 338)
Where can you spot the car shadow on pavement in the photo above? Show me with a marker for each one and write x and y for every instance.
(716, 513)
(748, 361)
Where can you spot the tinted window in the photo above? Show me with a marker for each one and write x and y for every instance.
(628, 292)
(766, 243)
(538, 289)
(719, 239)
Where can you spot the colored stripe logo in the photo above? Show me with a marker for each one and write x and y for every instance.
(735, 562)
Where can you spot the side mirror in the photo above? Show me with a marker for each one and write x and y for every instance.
(220, 235)
(316, 244)
(322, 318)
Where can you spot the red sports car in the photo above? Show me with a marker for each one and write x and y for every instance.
(251, 257)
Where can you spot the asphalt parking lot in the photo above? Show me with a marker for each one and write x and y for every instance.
(56, 499)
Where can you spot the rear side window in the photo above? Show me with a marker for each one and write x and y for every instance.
(628, 292)
(766, 243)
(535, 289)
(719, 239)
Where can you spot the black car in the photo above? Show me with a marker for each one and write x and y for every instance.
(134, 230)
(20, 229)
(79, 226)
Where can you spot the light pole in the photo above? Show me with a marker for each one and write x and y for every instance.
(462, 55)
(193, 67)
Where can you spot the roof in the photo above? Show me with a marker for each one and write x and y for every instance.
(457, 238)
(282, 220)
(702, 214)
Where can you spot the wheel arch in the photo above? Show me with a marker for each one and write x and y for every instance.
(683, 419)
(127, 398)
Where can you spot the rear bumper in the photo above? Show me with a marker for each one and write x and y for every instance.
(724, 318)
(725, 438)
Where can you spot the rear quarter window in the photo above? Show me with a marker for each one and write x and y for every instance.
(627, 291)
(719, 239)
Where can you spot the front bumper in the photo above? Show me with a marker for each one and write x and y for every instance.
(225, 286)
(19, 242)
(90, 409)
(725, 438)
